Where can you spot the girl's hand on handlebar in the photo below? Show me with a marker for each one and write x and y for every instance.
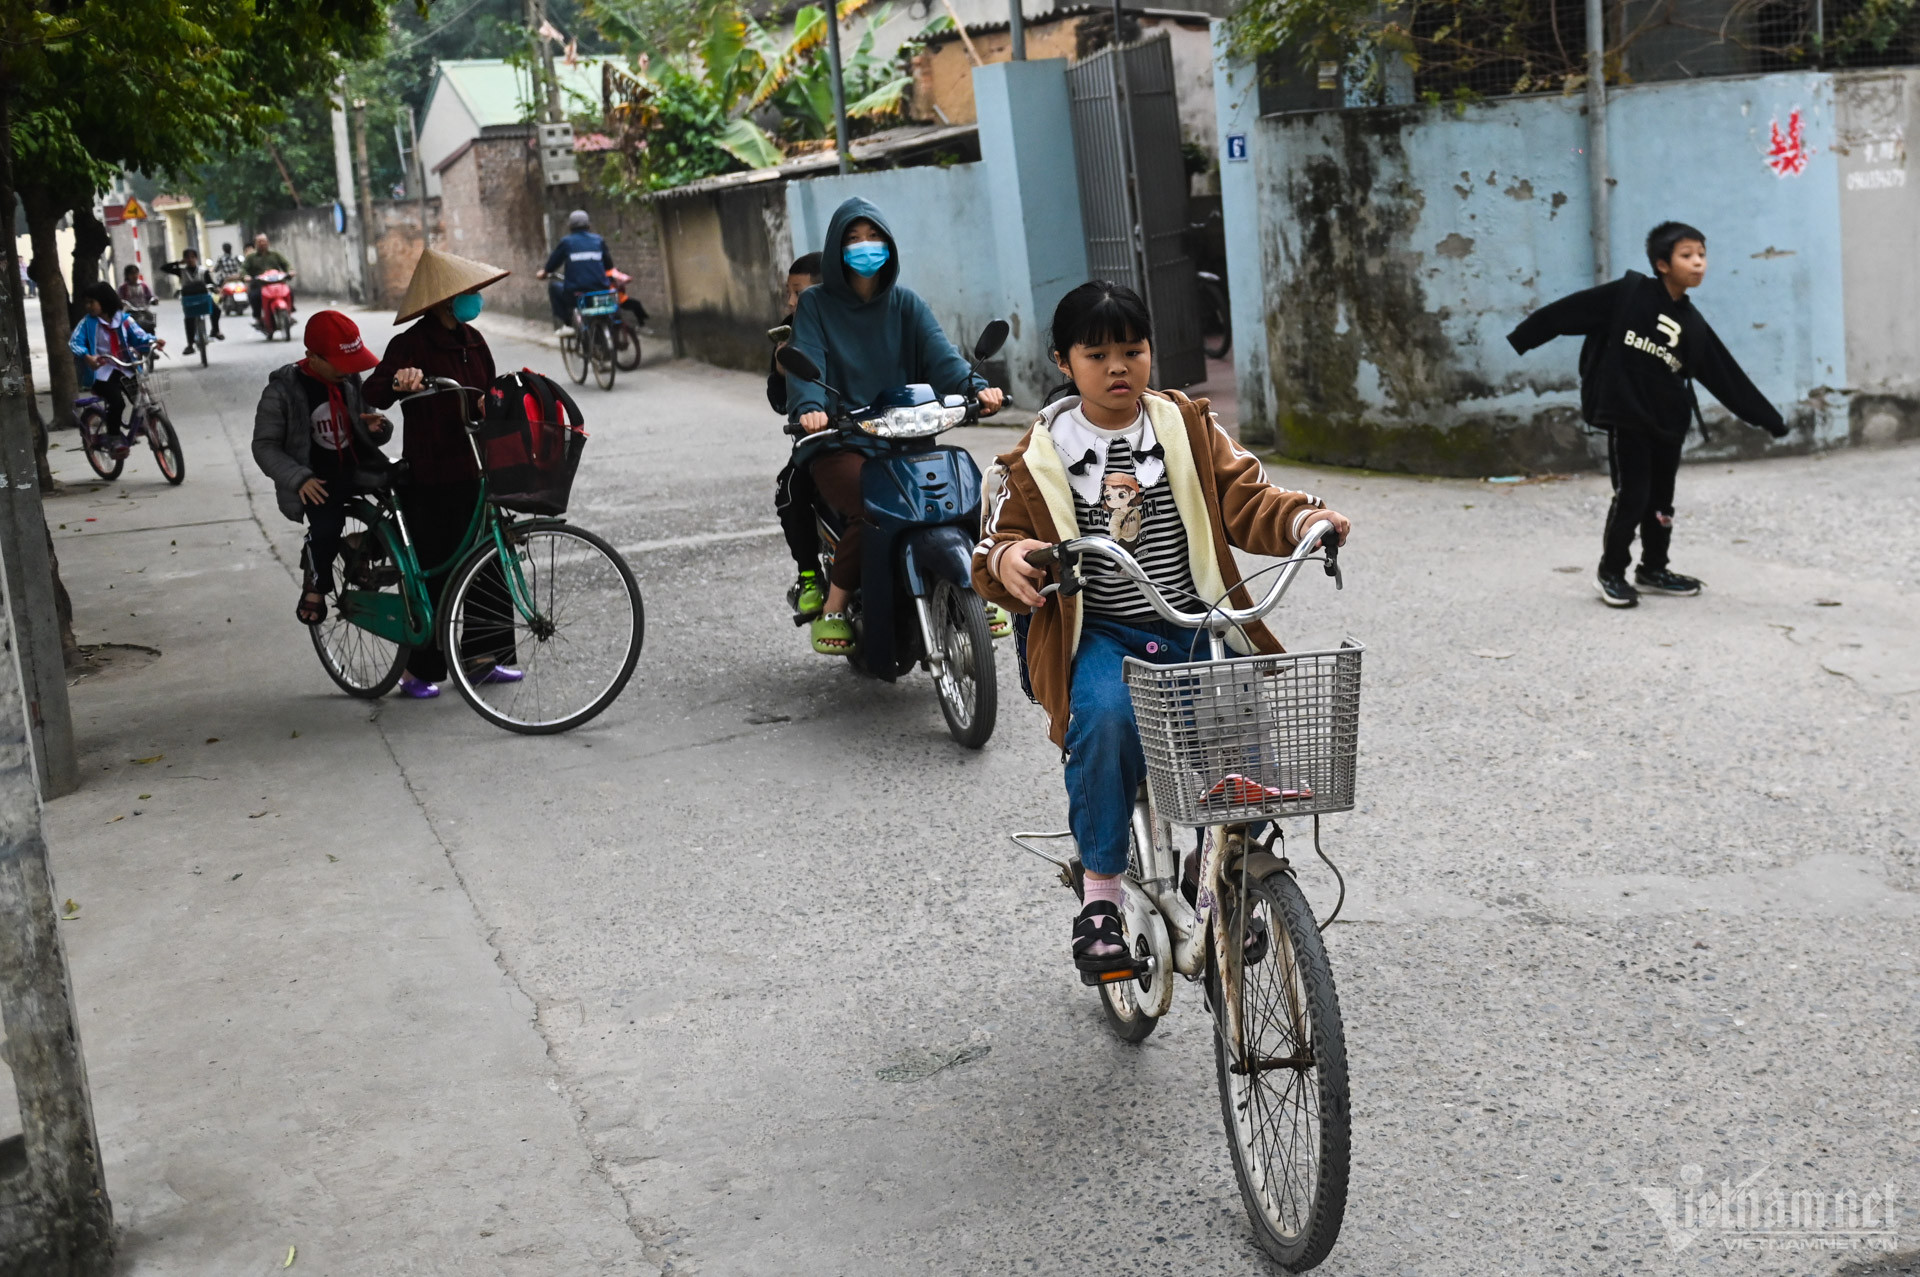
(990, 400)
(814, 422)
(1341, 523)
(406, 380)
(1022, 579)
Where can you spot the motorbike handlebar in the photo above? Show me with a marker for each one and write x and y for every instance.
(846, 423)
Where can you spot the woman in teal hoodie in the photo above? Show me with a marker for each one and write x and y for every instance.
(866, 333)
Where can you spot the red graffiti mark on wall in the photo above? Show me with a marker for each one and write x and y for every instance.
(1788, 153)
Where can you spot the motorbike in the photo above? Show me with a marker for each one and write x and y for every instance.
(233, 298)
(915, 604)
(276, 304)
(633, 317)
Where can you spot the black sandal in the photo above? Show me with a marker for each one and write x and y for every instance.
(1099, 925)
(313, 602)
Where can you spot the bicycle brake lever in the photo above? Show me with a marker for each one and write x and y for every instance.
(1331, 544)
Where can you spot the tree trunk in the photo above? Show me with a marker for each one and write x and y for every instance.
(90, 239)
(18, 313)
(54, 302)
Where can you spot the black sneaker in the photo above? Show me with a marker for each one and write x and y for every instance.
(1662, 581)
(1615, 592)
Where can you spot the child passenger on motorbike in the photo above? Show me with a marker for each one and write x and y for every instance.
(867, 333)
(1112, 459)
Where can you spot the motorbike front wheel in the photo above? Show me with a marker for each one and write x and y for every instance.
(969, 693)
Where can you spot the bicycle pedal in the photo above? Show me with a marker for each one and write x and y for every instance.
(1093, 979)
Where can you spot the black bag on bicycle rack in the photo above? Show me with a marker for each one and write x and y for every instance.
(530, 438)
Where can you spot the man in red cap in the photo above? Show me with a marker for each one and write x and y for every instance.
(316, 440)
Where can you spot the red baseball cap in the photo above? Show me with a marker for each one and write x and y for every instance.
(336, 339)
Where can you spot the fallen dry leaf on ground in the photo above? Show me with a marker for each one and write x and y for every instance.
(1490, 654)
(144, 761)
(72, 909)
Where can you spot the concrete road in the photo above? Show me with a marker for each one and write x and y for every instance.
(745, 979)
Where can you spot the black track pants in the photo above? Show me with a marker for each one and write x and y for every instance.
(1643, 466)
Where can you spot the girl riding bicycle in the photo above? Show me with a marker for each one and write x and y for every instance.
(1155, 471)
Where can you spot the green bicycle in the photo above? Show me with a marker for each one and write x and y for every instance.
(532, 595)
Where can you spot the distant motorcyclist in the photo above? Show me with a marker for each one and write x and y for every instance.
(261, 260)
(578, 264)
(229, 266)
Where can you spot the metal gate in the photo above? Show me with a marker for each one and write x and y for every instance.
(1133, 195)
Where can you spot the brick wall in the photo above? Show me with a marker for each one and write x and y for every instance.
(397, 239)
(494, 208)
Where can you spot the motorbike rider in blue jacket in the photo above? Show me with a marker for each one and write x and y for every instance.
(578, 264)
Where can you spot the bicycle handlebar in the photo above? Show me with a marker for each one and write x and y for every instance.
(1320, 536)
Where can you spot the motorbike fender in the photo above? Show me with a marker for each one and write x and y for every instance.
(940, 485)
(927, 555)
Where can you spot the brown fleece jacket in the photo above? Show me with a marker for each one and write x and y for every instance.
(1225, 502)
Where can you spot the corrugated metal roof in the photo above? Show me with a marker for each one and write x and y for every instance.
(1074, 11)
(879, 146)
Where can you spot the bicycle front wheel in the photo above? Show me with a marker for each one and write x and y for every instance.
(166, 447)
(1283, 1092)
(573, 655)
(602, 353)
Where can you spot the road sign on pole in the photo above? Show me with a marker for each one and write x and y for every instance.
(133, 210)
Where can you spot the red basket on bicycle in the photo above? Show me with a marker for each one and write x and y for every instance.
(530, 437)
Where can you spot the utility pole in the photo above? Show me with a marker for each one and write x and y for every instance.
(1017, 30)
(840, 140)
(537, 23)
(55, 1218)
(26, 563)
(1597, 181)
(420, 177)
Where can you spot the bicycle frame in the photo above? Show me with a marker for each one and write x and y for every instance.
(408, 618)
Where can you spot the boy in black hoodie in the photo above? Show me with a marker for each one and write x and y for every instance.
(793, 490)
(1645, 347)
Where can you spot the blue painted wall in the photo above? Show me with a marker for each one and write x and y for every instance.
(1380, 256)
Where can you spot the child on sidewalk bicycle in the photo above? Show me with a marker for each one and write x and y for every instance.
(1117, 459)
(315, 438)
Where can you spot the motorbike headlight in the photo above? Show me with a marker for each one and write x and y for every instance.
(911, 423)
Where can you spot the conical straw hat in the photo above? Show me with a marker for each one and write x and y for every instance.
(440, 276)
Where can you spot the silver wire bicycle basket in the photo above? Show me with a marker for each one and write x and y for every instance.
(1249, 738)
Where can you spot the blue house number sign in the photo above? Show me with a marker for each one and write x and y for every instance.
(1237, 146)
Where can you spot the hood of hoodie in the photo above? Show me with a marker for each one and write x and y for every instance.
(834, 275)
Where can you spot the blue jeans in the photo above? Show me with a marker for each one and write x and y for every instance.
(1105, 764)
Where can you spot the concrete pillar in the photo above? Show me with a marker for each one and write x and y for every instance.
(1236, 95)
(1026, 144)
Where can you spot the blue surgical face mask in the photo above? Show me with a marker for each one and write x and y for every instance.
(865, 258)
(466, 307)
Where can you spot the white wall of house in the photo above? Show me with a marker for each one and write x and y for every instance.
(446, 127)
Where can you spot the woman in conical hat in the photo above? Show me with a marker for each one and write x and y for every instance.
(443, 297)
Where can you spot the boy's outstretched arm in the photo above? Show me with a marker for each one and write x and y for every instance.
(1575, 315)
(1716, 369)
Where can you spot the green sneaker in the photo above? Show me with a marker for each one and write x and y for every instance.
(807, 596)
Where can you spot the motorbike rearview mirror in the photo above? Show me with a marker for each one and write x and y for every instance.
(779, 334)
(992, 337)
(791, 359)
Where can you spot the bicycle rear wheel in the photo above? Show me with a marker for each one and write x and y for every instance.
(1284, 1099)
(93, 430)
(359, 661)
(574, 356)
(603, 353)
(574, 655)
(626, 340)
(166, 446)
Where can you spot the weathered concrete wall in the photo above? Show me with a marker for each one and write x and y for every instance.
(1880, 252)
(1379, 257)
(727, 259)
(323, 260)
(398, 237)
